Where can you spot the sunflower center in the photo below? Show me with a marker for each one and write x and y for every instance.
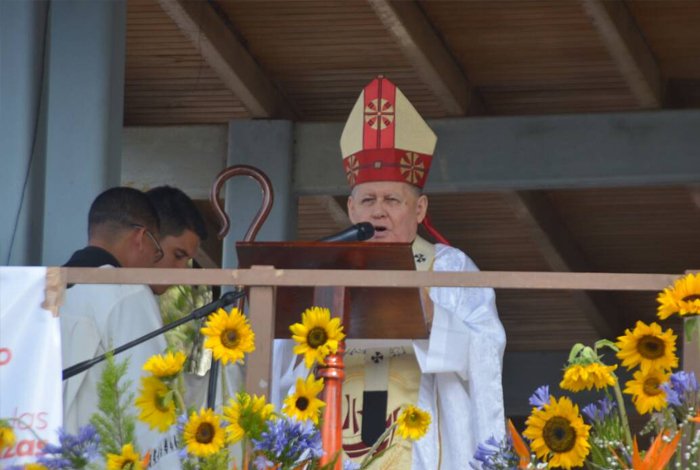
(205, 433)
(128, 464)
(651, 347)
(230, 339)
(691, 298)
(559, 435)
(317, 337)
(302, 403)
(651, 387)
(412, 419)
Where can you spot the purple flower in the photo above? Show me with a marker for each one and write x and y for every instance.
(72, 451)
(494, 454)
(600, 410)
(289, 442)
(682, 386)
(540, 397)
(262, 463)
(350, 465)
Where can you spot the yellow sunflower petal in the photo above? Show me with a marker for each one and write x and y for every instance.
(123, 460)
(558, 433)
(413, 423)
(157, 410)
(648, 347)
(246, 416)
(7, 437)
(203, 434)
(644, 387)
(303, 404)
(229, 336)
(578, 377)
(683, 298)
(165, 365)
(317, 335)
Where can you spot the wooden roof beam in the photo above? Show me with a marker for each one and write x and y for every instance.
(562, 254)
(427, 53)
(225, 54)
(628, 48)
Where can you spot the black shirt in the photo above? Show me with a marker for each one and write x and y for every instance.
(91, 257)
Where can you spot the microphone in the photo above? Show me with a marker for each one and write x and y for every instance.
(357, 233)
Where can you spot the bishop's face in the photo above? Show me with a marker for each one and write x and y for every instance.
(394, 209)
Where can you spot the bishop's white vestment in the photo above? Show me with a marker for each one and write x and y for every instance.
(459, 381)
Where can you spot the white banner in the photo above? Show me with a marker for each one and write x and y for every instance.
(30, 364)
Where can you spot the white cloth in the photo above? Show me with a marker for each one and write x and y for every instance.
(95, 319)
(461, 365)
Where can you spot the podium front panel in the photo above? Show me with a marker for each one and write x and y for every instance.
(375, 313)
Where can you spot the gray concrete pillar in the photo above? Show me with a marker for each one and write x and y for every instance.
(84, 119)
(267, 145)
(23, 32)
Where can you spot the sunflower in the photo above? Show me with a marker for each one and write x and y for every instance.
(317, 335)
(203, 434)
(558, 433)
(156, 404)
(413, 423)
(247, 416)
(647, 346)
(7, 436)
(303, 404)
(683, 298)
(35, 466)
(645, 388)
(229, 336)
(165, 365)
(578, 377)
(127, 460)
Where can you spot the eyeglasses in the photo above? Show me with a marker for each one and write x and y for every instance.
(159, 249)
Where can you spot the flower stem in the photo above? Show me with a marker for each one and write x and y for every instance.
(368, 458)
(623, 413)
(179, 401)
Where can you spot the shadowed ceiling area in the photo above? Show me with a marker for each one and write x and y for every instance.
(207, 62)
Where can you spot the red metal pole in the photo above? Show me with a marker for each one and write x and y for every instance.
(333, 374)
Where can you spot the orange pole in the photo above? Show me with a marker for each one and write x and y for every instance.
(333, 374)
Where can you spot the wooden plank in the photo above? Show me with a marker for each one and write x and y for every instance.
(374, 278)
(562, 253)
(225, 54)
(432, 61)
(628, 48)
(262, 320)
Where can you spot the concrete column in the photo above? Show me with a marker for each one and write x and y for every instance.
(23, 31)
(267, 145)
(84, 119)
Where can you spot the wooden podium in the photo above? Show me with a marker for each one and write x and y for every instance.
(366, 313)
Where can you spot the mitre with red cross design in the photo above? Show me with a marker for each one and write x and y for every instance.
(385, 139)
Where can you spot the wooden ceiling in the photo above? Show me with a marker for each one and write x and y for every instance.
(194, 62)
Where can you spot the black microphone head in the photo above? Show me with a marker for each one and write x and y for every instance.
(365, 231)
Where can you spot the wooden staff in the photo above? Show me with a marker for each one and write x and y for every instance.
(265, 207)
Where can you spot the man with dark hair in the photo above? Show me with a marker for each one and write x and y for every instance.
(123, 228)
(182, 228)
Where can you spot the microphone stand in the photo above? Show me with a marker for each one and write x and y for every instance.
(201, 312)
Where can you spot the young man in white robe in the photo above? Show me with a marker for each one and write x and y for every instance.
(387, 150)
(123, 229)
